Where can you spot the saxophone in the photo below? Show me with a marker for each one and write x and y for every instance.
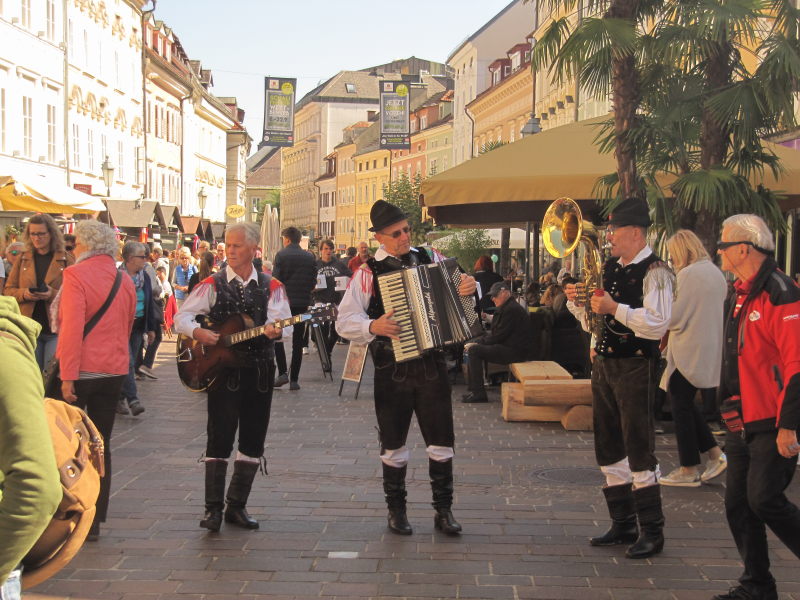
(563, 230)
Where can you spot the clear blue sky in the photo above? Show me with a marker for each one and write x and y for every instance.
(242, 41)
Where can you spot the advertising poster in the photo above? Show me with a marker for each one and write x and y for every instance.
(394, 107)
(279, 97)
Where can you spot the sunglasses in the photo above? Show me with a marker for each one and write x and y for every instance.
(14, 252)
(726, 245)
(69, 248)
(38, 233)
(137, 256)
(399, 232)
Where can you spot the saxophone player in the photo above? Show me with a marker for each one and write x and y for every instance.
(635, 306)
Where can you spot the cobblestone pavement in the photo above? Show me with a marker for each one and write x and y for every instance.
(527, 495)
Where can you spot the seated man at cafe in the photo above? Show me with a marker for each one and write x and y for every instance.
(509, 340)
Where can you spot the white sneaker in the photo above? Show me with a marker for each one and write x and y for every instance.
(714, 468)
(305, 350)
(679, 479)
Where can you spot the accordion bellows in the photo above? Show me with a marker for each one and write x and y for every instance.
(428, 308)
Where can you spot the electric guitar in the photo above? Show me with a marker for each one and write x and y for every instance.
(199, 365)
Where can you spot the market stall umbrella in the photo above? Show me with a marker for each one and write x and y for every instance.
(516, 183)
(37, 194)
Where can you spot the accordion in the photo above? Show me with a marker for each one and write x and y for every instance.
(428, 308)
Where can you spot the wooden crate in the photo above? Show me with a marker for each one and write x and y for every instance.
(537, 370)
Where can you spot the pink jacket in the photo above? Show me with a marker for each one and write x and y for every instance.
(105, 350)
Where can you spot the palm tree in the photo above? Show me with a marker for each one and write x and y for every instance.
(602, 52)
(685, 102)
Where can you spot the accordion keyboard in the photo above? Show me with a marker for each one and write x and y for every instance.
(393, 293)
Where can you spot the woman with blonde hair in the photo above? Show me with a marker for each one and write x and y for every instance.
(694, 356)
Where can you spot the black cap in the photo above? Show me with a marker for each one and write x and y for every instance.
(384, 214)
(497, 287)
(632, 211)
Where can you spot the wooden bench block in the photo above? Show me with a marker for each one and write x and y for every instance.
(578, 418)
(557, 392)
(538, 370)
(514, 410)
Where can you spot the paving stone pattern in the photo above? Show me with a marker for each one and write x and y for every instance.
(527, 495)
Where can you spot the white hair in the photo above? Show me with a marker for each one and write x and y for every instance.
(750, 228)
(96, 237)
(157, 249)
(184, 251)
(251, 232)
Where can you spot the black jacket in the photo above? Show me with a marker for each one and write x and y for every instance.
(510, 327)
(296, 269)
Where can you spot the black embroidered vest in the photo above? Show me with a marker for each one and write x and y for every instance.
(252, 300)
(625, 285)
(390, 263)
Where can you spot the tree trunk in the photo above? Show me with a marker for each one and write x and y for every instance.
(625, 100)
(714, 140)
(505, 252)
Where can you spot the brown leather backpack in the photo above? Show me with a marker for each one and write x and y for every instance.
(79, 455)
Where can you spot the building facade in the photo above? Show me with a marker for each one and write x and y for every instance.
(167, 85)
(32, 120)
(501, 111)
(326, 184)
(105, 97)
(469, 64)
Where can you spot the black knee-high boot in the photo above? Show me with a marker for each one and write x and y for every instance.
(442, 486)
(244, 472)
(215, 493)
(619, 499)
(651, 522)
(394, 487)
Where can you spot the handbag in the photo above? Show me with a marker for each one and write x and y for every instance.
(51, 376)
(79, 452)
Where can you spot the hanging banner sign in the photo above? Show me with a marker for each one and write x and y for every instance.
(394, 108)
(279, 95)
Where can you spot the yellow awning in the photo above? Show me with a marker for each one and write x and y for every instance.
(37, 194)
(515, 183)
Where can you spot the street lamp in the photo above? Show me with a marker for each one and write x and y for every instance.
(201, 200)
(108, 174)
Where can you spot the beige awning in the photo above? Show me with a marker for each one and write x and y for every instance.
(40, 194)
(515, 183)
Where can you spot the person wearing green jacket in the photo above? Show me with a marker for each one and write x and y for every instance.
(30, 488)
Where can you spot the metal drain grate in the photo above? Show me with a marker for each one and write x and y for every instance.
(570, 475)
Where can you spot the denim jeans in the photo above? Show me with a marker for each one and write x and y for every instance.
(12, 589)
(135, 344)
(45, 348)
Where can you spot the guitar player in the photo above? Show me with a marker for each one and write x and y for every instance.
(243, 396)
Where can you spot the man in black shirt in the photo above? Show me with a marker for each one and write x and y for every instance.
(296, 269)
(509, 340)
(330, 268)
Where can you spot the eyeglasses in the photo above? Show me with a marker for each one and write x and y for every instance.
(398, 233)
(38, 233)
(69, 248)
(137, 256)
(612, 229)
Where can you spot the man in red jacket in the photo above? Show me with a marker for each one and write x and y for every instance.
(760, 390)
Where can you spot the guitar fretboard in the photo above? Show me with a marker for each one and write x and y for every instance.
(249, 334)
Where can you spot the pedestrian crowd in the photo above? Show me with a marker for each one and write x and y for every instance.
(101, 307)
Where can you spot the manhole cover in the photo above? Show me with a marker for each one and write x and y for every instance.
(573, 475)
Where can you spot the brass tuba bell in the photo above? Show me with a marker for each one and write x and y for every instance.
(563, 230)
